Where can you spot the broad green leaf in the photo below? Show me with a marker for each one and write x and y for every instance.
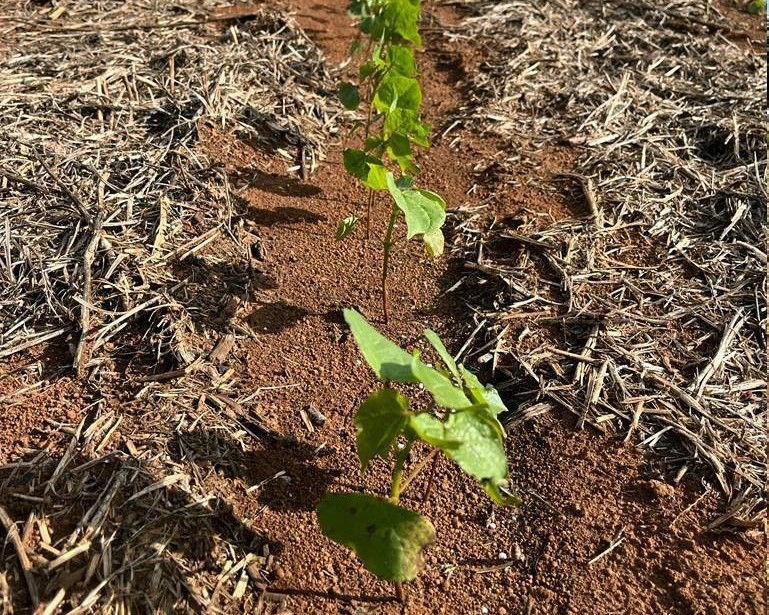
(399, 150)
(346, 227)
(398, 92)
(355, 163)
(407, 122)
(379, 421)
(400, 19)
(366, 168)
(756, 7)
(441, 388)
(404, 182)
(377, 177)
(481, 453)
(388, 539)
(431, 430)
(423, 214)
(401, 60)
(349, 96)
(389, 362)
(436, 198)
(472, 439)
(444, 354)
(366, 70)
(373, 143)
(482, 394)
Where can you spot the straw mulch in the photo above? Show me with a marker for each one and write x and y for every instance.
(105, 200)
(645, 316)
(119, 237)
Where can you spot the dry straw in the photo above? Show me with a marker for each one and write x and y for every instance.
(645, 316)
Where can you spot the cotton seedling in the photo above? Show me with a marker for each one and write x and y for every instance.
(389, 89)
(461, 422)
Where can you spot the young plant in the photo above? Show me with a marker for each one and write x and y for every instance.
(389, 90)
(461, 422)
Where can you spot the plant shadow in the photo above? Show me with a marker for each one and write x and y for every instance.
(275, 317)
(282, 215)
(275, 183)
(281, 473)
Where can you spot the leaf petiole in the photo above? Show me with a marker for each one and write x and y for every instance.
(400, 460)
(418, 468)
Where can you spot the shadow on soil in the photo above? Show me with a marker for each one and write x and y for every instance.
(283, 474)
(275, 183)
(282, 215)
(332, 595)
(275, 317)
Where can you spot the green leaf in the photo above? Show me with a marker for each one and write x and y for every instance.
(473, 439)
(349, 96)
(355, 163)
(366, 168)
(388, 539)
(401, 60)
(436, 198)
(407, 122)
(346, 227)
(480, 394)
(398, 92)
(423, 214)
(441, 388)
(444, 354)
(481, 453)
(377, 177)
(399, 20)
(431, 430)
(366, 70)
(399, 150)
(379, 421)
(390, 363)
(756, 7)
(373, 143)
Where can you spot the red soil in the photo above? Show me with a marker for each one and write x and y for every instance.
(580, 491)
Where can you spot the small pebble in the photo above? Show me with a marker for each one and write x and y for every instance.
(502, 555)
(484, 610)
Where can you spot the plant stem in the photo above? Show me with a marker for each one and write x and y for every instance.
(388, 244)
(400, 460)
(368, 213)
(418, 468)
(365, 138)
(399, 592)
(426, 494)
